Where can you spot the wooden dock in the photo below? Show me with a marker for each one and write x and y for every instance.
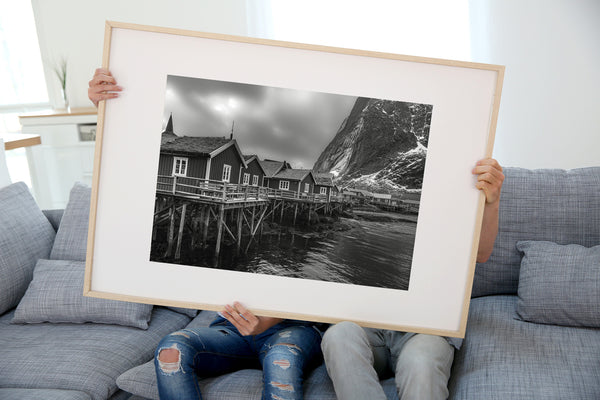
(234, 208)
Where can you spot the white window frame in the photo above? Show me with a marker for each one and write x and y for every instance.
(284, 185)
(181, 169)
(306, 187)
(226, 176)
(254, 180)
(246, 179)
(323, 190)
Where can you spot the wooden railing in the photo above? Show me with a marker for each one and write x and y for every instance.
(230, 192)
(290, 194)
(204, 188)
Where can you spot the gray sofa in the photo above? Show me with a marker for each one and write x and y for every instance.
(88, 342)
(533, 330)
(534, 320)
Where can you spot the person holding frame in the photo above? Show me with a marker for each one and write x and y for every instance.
(356, 358)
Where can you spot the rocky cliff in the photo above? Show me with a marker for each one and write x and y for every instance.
(381, 146)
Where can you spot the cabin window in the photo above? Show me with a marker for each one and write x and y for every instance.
(226, 173)
(284, 185)
(306, 187)
(180, 166)
(323, 190)
(246, 179)
(254, 180)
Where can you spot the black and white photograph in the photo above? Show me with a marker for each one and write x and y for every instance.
(288, 182)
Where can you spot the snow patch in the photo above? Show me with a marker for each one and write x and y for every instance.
(342, 163)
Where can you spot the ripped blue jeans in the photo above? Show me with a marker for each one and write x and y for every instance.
(284, 352)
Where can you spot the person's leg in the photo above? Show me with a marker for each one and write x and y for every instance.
(354, 357)
(184, 355)
(285, 356)
(422, 366)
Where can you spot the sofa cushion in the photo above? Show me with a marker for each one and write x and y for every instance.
(190, 312)
(505, 358)
(243, 385)
(25, 236)
(42, 394)
(71, 237)
(543, 205)
(559, 285)
(82, 357)
(56, 295)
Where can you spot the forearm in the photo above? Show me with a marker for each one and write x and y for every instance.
(489, 180)
(489, 231)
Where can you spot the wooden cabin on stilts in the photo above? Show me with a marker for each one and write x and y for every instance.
(207, 190)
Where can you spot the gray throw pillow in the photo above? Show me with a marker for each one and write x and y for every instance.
(71, 237)
(559, 284)
(56, 295)
(25, 236)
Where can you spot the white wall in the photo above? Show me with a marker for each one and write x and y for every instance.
(74, 29)
(550, 108)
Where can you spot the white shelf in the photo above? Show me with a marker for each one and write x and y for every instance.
(63, 158)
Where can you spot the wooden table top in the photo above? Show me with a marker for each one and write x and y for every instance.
(18, 140)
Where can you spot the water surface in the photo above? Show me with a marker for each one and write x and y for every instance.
(370, 253)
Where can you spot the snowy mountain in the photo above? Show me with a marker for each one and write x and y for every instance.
(381, 146)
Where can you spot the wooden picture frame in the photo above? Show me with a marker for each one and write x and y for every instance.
(465, 100)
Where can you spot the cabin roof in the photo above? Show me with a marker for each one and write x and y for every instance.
(167, 137)
(193, 145)
(293, 174)
(271, 167)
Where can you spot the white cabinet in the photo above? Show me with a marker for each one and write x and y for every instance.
(65, 156)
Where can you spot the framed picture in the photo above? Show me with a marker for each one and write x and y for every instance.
(306, 182)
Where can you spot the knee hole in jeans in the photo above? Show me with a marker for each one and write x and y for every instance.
(169, 359)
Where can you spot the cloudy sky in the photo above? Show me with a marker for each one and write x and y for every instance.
(275, 123)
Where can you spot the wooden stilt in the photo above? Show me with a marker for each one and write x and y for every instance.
(259, 223)
(197, 219)
(171, 231)
(219, 230)
(282, 207)
(245, 218)
(295, 214)
(206, 222)
(260, 220)
(239, 228)
(180, 233)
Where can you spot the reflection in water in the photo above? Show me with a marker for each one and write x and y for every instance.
(371, 254)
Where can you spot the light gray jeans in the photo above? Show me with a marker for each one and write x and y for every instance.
(357, 358)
